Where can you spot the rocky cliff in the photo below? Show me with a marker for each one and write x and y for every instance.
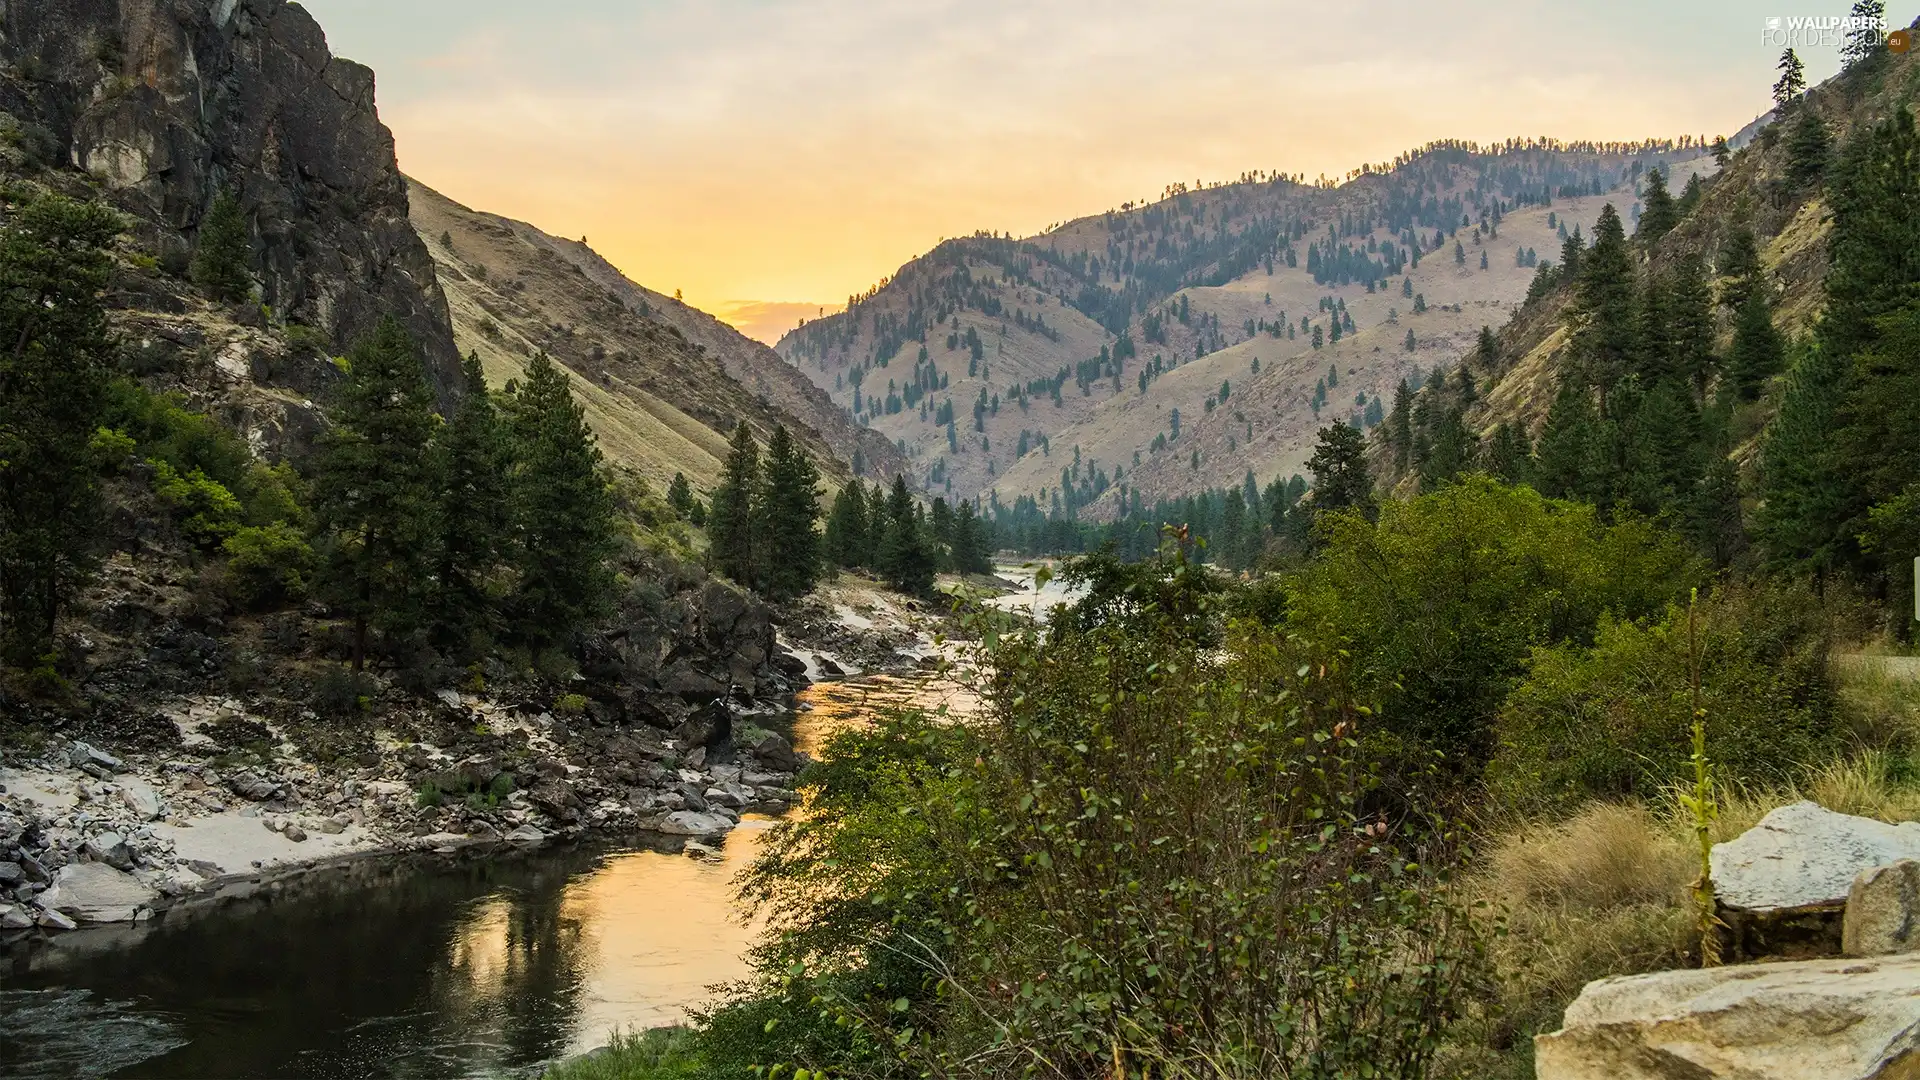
(165, 104)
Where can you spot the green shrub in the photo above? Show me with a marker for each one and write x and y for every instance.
(342, 692)
(207, 512)
(269, 566)
(274, 494)
(655, 1054)
(1614, 719)
(166, 430)
(570, 704)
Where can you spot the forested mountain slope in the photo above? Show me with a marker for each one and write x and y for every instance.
(994, 358)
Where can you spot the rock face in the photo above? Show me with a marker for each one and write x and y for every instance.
(1808, 1020)
(170, 102)
(96, 893)
(1883, 911)
(1783, 884)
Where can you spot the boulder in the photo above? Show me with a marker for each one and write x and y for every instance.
(556, 799)
(692, 823)
(11, 874)
(1883, 911)
(253, 786)
(84, 754)
(141, 799)
(14, 917)
(96, 893)
(49, 919)
(110, 848)
(526, 834)
(789, 664)
(1782, 885)
(710, 725)
(1805, 1020)
(776, 752)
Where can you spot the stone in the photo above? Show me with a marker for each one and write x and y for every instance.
(140, 799)
(449, 698)
(526, 834)
(83, 754)
(731, 797)
(110, 848)
(1805, 855)
(1883, 911)
(295, 833)
(1802, 1020)
(692, 823)
(776, 752)
(251, 785)
(14, 917)
(710, 726)
(54, 920)
(96, 893)
(11, 874)
(332, 826)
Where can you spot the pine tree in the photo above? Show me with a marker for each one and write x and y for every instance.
(1875, 243)
(1400, 427)
(563, 512)
(1876, 441)
(1565, 459)
(374, 488)
(846, 543)
(1340, 477)
(475, 512)
(1454, 450)
(1508, 456)
(223, 251)
(680, 496)
(53, 373)
(1605, 345)
(1793, 81)
(1864, 41)
(1758, 353)
(1808, 148)
(1739, 263)
(1658, 215)
(1802, 499)
(972, 549)
(906, 555)
(730, 521)
(1690, 324)
(1690, 197)
(789, 514)
(1660, 462)
(1722, 153)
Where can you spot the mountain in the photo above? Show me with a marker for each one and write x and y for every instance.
(663, 383)
(1051, 367)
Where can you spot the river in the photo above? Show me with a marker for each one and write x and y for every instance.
(433, 966)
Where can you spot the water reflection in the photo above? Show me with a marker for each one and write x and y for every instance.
(434, 966)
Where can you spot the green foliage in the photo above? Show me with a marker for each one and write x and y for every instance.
(223, 251)
(1341, 480)
(1612, 719)
(207, 512)
(730, 521)
(562, 512)
(1658, 213)
(655, 1054)
(789, 514)
(570, 704)
(1758, 352)
(1808, 148)
(53, 268)
(374, 493)
(1443, 600)
(905, 556)
(848, 541)
(165, 429)
(269, 566)
(475, 514)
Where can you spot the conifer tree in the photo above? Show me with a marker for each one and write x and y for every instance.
(1454, 450)
(972, 550)
(1758, 354)
(1808, 148)
(53, 373)
(475, 511)
(1604, 347)
(1864, 40)
(1565, 461)
(906, 555)
(1400, 427)
(223, 251)
(680, 496)
(789, 515)
(1507, 455)
(1660, 457)
(1875, 243)
(1340, 477)
(563, 512)
(1739, 263)
(1802, 497)
(374, 488)
(1792, 83)
(846, 542)
(1690, 196)
(730, 520)
(1658, 215)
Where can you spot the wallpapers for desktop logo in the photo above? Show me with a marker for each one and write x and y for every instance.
(1825, 31)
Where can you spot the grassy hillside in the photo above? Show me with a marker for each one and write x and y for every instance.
(1192, 290)
(655, 379)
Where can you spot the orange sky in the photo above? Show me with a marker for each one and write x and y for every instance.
(770, 156)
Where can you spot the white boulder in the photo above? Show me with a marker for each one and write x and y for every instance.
(692, 823)
(1808, 1020)
(1883, 911)
(94, 892)
(1805, 856)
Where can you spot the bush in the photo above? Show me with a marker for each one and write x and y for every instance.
(1615, 719)
(166, 430)
(1443, 600)
(207, 512)
(342, 692)
(655, 1054)
(269, 567)
(570, 704)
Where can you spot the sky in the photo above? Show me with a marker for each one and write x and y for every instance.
(770, 157)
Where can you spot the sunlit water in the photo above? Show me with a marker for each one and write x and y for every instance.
(437, 966)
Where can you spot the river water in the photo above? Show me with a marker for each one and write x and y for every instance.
(433, 966)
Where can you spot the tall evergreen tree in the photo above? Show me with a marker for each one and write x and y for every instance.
(1691, 196)
(1808, 148)
(1864, 40)
(846, 545)
(1565, 459)
(1605, 343)
(789, 516)
(730, 521)
(680, 496)
(375, 486)
(1454, 450)
(565, 530)
(1658, 215)
(1758, 353)
(972, 548)
(1802, 498)
(53, 372)
(1400, 427)
(1340, 477)
(475, 512)
(1508, 456)
(1739, 263)
(223, 251)
(906, 554)
(1792, 83)
(1875, 243)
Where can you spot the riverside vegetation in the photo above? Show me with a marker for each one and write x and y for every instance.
(1383, 806)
